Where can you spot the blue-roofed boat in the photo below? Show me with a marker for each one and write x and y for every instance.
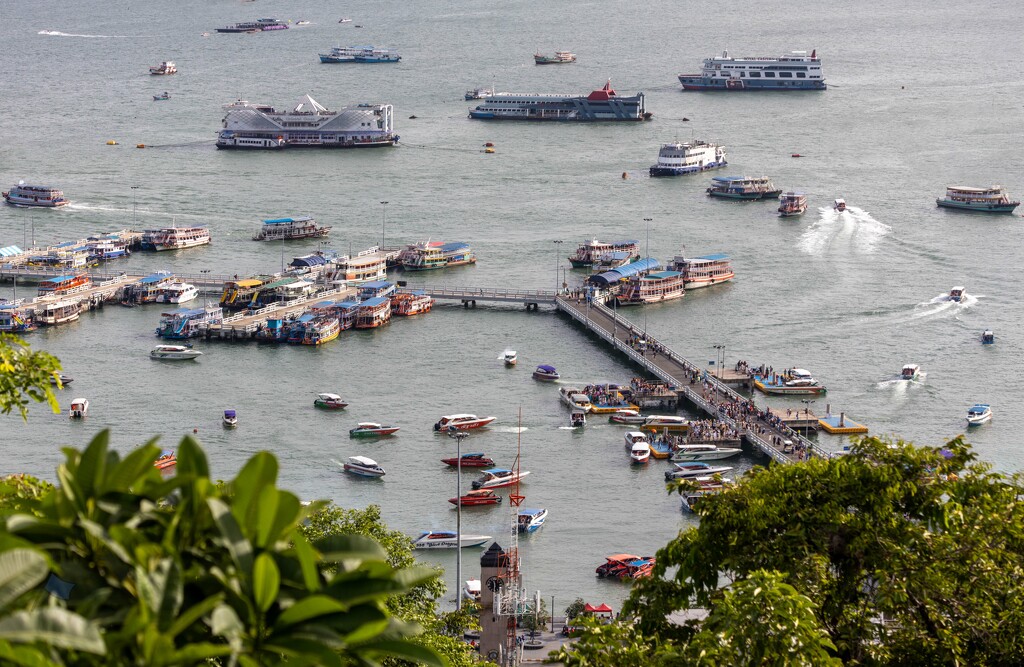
(703, 271)
(546, 373)
(230, 419)
(321, 329)
(651, 288)
(411, 303)
(146, 290)
(589, 252)
(531, 519)
(613, 260)
(287, 229)
(616, 276)
(743, 187)
(373, 313)
(375, 289)
(430, 255)
(347, 311)
(188, 322)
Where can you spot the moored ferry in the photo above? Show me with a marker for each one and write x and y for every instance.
(238, 293)
(188, 322)
(373, 313)
(287, 229)
(174, 238)
(796, 71)
(590, 252)
(743, 187)
(359, 54)
(411, 303)
(986, 200)
(560, 58)
(65, 284)
(704, 271)
(16, 320)
(147, 289)
(308, 124)
(35, 195)
(368, 265)
(651, 288)
(430, 255)
(792, 203)
(693, 156)
(601, 105)
(59, 312)
(259, 25)
(320, 330)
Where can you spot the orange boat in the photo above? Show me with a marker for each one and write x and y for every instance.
(166, 460)
(474, 498)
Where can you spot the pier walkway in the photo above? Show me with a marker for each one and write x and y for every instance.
(470, 295)
(245, 324)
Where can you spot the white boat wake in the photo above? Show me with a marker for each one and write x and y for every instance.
(511, 429)
(57, 33)
(900, 386)
(942, 305)
(852, 229)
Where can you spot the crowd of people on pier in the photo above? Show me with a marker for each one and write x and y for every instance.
(709, 430)
(604, 394)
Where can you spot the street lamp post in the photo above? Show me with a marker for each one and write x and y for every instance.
(135, 217)
(719, 352)
(458, 435)
(552, 613)
(648, 225)
(807, 406)
(383, 223)
(558, 249)
(204, 272)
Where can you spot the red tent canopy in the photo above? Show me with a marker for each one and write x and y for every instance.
(600, 608)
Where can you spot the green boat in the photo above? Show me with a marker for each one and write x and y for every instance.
(983, 200)
(560, 58)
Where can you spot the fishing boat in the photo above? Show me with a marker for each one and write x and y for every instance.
(447, 539)
(640, 452)
(560, 58)
(577, 418)
(979, 414)
(546, 373)
(795, 71)
(693, 470)
(957, 294)
(362, 466)
(289, 229)
(648, 288)
(985, 200)
(910, 372)
(791, 204)
(461, 422)
(839, 205)
(166, 67)
(329, 401)
(743, 187)
(259, 25)
(987, 337)
(167, 459)
(408, 304)
(177, 292)
(794, 382)
(59, 312)
(575, 398)
(531, 519)
(509, 357)
(477, 498)
(703, 271)
(627, 417)
(498, 478)
(230, 419)
(79, 408)
(472, 460)
(590, 252)
(162, 96)
(665, 423)
(371, 430)
(676, 159)
(174, 352)
(35, 195)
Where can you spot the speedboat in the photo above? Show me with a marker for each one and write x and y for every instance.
(474, 460)
(447, 539)
(979, 414)
(164, 96)
(546, 373)
(694, 470)
(577, 418)
(840, 205)
(344, 20)
(462, 422)
(509, 357)
(636, 569)
(575, 399)
(613, 564)
(498, 478)
(633, 437)
(957, 294)
(627, 417)
(666, 423)
(174, 352)
(65, 380)
(166, 67)
(474, 498)
(371, 430)
(988, 337)
(686, 453)
(530, 520)
(230, 419)
(910, 372)
(329, 401)
(363, 466)
(79, 408)
(167, 459)
(640, 452)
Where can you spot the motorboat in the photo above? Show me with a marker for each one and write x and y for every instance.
(65, 380)
(546, 373)
(498, 478)
(79, 408)
(988, 337)
(792, 203)
(174, 352)
(344, 20)
(910, 372)
(795, 381)
(627, 417)
(695, 470)
(475, 498)
(163, 96)
(371, 430)
(686, 453)
(633, 437)
(636, 569)
(577, 418)
(661, 449)
(471, 591)
(166, 67)
(979, 414)
(509, 357)
(461, 422)
(957, 294)
(329, 401)
(363, 466)
(167, 459)
(575, 398)
(839, 205)
(530, 519)
(447, 539)
(560, 58)
(665, 423)
(230, 419)
(640, 452)
(613, 564)
(473, 460)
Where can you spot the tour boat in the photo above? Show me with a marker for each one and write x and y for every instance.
(177, 292)
(79, 408)
(287, 229)
(371, 430)
(498, 478)
(174, 352)
(321, 330)
(259, 25)
(988, 337)
(59, 312)
(675, 159)
(248, 126)
(531, 519)
(796, 382)
(613, 564)
(16, 320)
(431, 255)
(986, 200)
(910, 372)
(461, 422)
(407, 304)
(329, 401)
(166, 67)
(839, 205)
(373, 313)
(509, 357)
(174, 238)
(743, 187)
(703, 271)
(792, 203)
(577, 418)
(230, 419)
(590, 252)
(167, 459)
(447, 539)
(627, 417)
(685, 453)
(476, 498)
(363, 466)
(186, 323)
(665, 423)
(69, 284)
(957, 294)
(560, 58)
(146, 290)
(575, 398)
(546, 373)
(35, 195)
(601, 105)
(162, 96)
(472, 460)
(650, 288)
(979, 414)
(640, 452)
(693, 470)
(795, 71)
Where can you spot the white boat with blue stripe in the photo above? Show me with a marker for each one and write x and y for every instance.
(796, 71)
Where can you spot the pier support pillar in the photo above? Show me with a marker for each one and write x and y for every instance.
(469, 303)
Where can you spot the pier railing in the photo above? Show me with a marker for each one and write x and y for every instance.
(484, 293)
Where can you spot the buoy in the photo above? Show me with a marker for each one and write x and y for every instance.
(412, 117)
(489, 144)
(140, 145)
(796, 155)
(625, 175)
(488, 150)
(111, 143)
(195, 430)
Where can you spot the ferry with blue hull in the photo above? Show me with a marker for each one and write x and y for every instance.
(984, 200)
(796, 71)
(601, 105)
(676, 159)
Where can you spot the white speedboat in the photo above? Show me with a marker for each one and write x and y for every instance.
(447, 539)
(79, 408)
(230, 419)
(666, 423)
(979, 414)
(575, 398)
(839, 205)
(633, 437)
(177, 292)
(462, 422)
(363, 466)
(910, 372)
(687, 453)
(496, 478)
(627, 417)
(577, 418)
(509, 357)
(957, 294)
(531, 519)
(471, 591)
(640, 452)
(695, 470)
(174, 352)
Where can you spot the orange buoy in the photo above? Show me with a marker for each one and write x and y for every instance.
(796, 155)
(140, 145)
(625, 175)
(488, 150)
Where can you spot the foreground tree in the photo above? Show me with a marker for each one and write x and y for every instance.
(26, 376)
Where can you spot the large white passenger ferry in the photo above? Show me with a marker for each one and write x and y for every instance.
(174, 238)
(600, 105)
(676, 158)
(796, 71)
(35, 195)
(307, 124)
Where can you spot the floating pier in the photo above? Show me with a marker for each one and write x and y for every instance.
(841, 425)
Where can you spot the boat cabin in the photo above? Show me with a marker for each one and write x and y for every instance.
(910, 372)
(957, 293)
(375, 289)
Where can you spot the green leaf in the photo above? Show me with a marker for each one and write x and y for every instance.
(193, 615)
(55, 626)
(266, 581)
(92, 466)
(308, 609)
(235, 542)
(406, 650)
(341, 548)
(134, 467)
(258, 472)
(307, 561)
(266, 511)
(21, 570)
(23, 656)
(192, 461)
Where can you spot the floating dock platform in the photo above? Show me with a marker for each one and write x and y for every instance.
(841, 425)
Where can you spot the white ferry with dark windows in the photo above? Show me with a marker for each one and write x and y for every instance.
(35, 195)
(308, 124)
(259, 25)
(796, 71)
(603, 104)
(676, 158)
(704, 271)
(590, 252)
(174, 238)
(287, 229)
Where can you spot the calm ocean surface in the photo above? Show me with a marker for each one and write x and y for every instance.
(921, 95)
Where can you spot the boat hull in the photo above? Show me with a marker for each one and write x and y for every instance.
(745, 196)
(657, 170)
(685, 457)
(362, 472)
(697, 82)
(978, 208)
(372, 433)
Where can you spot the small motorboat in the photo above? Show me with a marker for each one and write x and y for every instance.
(166, 67)
(577, 418)
(174, 352)
(633, 437)
(371, 430)
(693, 470)
(344, 20)
(687, 453)
(447, 539)
(665, 423)
(979, 414)
(329, 401)
(167, 459)
(79, 408)
(498, 478)
(530, 519)
(474, 460)
(910, 372)
(163, 96)
(65, 380)
(474, 498)
(363, 466)
(463, 422)
(509, 357)
(613, 564)
(988, 337)
(230, 419)
(575, 398)
(839, 205)
(640, 452)
(957, 294)
(546, 373)
(627, 417)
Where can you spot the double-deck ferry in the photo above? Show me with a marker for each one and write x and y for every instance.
(704, 271)
(791, 204)
(259, 25)
(68, 284)
(238, 293)
(368, 265)
(411, 303)
(59, 312)
(35, 195)
(320, 330)
(147, 289)
(308, 124)
(652, 288)
(590, 252)
(560, 58)
(166, 67)
(359, 54)
(986, 200)
(743, 187)
(430, 255)
(109, 248)
(174, 238)
(287, 229)
(796, 71)
(676, 158)
(373, 313)
(188, 322)
(601, 105)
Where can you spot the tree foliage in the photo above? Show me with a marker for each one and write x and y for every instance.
(26, 376)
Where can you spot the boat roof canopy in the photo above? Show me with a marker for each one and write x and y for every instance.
(375, 284)
(373, 303)
(362, 460)
(547, 368)
(615, 275)
(530, 511)
(283, 221)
